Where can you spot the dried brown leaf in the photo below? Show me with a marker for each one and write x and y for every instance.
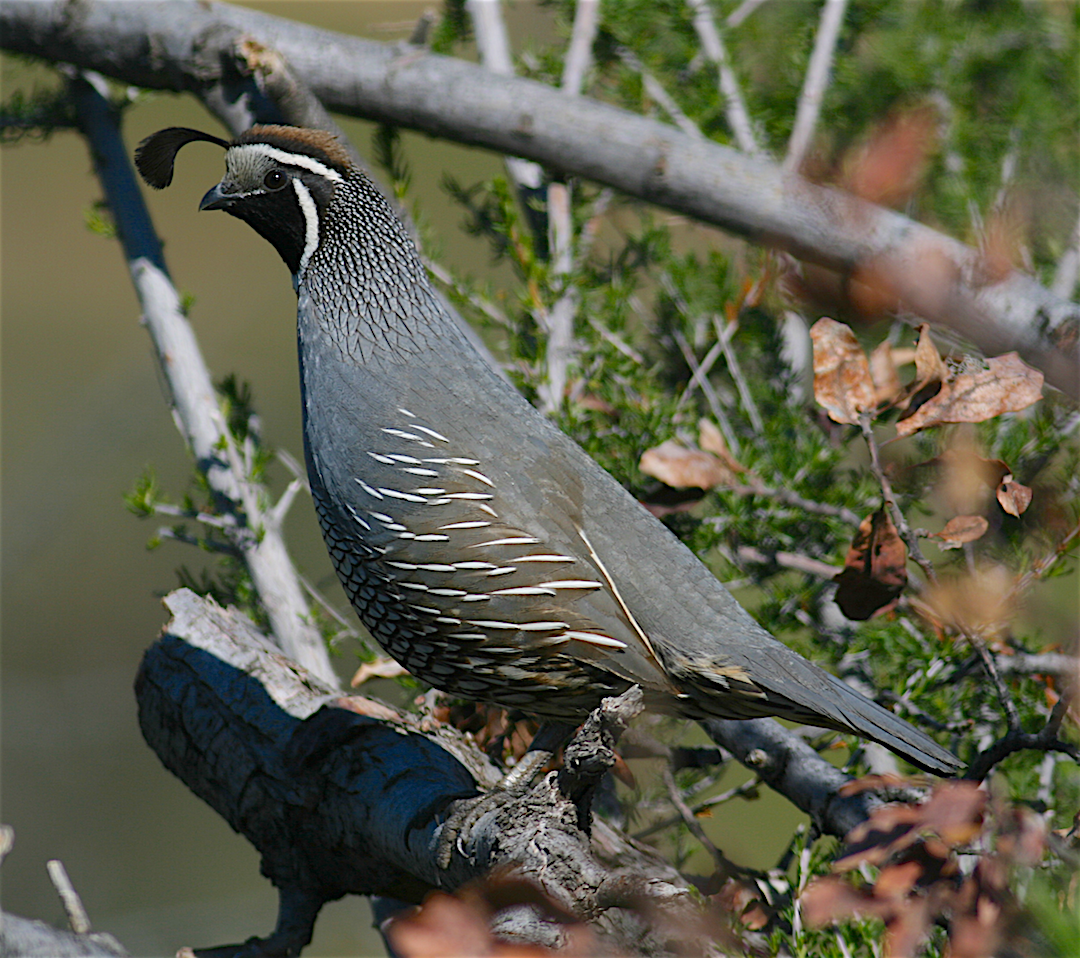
(930, 373)
(889, 166)
(683, 468)
(842, 381)
(954, 811)
(878, 782)
(712, 440)
(1006, 384)
(967, 479)
(905, 933)
(875, 570)
(961, 529)
(975, 604)
(895, 881)
(1013, 496)
(883, 371)
(443, 926)
(833, 899)
(889, 829)
(380, 668)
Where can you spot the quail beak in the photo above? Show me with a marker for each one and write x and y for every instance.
(217, 199)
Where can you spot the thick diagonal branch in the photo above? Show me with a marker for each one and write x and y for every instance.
(156, 45)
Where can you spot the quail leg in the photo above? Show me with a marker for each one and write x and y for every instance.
(467, 812)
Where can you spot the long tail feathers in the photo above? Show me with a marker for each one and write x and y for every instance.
(793, 688)
(863, 717)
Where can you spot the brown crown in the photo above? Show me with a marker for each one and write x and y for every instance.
(318, 144)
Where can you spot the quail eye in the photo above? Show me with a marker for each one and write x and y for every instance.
(275, 180)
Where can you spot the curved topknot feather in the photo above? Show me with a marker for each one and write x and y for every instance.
(156, 155)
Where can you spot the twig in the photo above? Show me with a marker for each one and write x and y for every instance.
(579, 53)
(734, 107)
(479, 303)
(206, 518)
(561, 348)
(741, 12)
(655, 89)
(591, 228)
(289, 461)
(194, 398)
(493, 43)
(899, 520)
(990, 666)
(1068, 267)
(1016, 739)
(749, 787)
(688, 819)
(723, 336)
(1043, 565)
(792, 498)
(276, 515)
(201, 542)
(617, 341)
(816, 82)
(558, 321)
(347, 628)
(1045, 663)
(710, 394)
(700, 371)
(788, 560)
(73, 906)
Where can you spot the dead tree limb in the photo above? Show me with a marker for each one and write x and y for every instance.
(347, 796)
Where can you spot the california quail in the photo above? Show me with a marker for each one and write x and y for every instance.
(480, 546)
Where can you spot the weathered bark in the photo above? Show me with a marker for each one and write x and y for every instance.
(23, 938)
(345, 795)
(161, 46)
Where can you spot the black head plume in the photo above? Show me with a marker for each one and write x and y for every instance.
(155, 156)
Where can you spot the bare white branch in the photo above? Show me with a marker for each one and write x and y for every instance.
(1068, 268)
(817, 81)
(734, 106)
(558, 322)
(493, 43)
(73, 906)
(655, 89)
(741, 12)
(724, 332)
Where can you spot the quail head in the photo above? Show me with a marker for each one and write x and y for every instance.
(479, 545)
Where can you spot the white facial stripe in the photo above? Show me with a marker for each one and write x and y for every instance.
(290, 159)
(311, 224)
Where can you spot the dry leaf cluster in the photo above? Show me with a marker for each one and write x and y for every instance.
(848, 384)
(922, 879)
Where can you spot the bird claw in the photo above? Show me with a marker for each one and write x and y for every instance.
(463, 818)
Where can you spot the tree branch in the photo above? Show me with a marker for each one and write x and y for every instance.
(734, 106)
(155, 45)
(343, 795)
(817, 81)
